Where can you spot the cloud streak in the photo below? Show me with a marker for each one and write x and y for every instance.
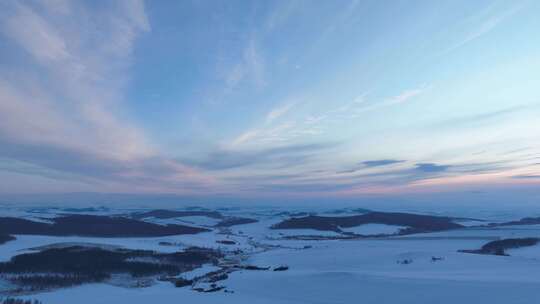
(314, 125)
(431, 168)
(381, 162)
(251, 68)
(278, 112)
(531, 177)
(66, 122)
(75, 105)
(372, 164)
(277, 157)
(487, 25)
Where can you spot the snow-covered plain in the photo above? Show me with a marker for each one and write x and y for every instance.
(329, 271)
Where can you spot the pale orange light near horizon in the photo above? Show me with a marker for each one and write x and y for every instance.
(448, 183)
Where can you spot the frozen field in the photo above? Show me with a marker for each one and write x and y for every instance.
(364, 270)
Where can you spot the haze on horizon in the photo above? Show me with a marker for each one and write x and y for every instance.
(270, 99)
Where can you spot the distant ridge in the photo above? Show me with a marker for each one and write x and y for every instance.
(416, 222)
(93, 225)
(226, 221)
(167, 214)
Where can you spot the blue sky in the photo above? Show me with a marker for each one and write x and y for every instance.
(269, 98)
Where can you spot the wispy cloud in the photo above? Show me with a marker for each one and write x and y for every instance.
(81, 102)
(34, 34)
(281, 14)
(417, 173)
(250, 69)
(245, 137)
(487, 117)
(316, 124)
(384, 178)
(527, 177)
(401, 98)
(368, 164)
(515, 151)
(487, 25)
(305, 187)
(65, 85)
(406, 96)
(67, 122)
(292, 155)
(381, 162)
(278, 112)
(431, 168)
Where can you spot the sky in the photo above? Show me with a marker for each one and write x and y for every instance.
(269, 99)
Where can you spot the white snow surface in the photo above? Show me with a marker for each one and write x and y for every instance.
(206, 268)
(329, 271)
(348, 272)
(470, 223)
